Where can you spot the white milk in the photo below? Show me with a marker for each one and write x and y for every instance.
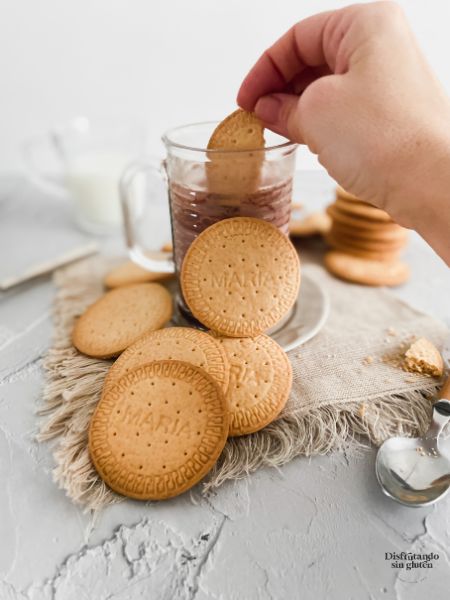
(93, 182)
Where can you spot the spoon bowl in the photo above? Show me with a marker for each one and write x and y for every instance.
(415, 471)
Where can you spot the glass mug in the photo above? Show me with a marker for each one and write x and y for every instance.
(204, 186)
(84, 162)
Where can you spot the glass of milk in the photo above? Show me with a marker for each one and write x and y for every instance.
(85, 161)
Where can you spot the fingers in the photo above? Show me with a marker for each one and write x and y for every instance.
(279, 112)
(299, 48)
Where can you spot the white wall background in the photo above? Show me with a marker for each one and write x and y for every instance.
(165, 61)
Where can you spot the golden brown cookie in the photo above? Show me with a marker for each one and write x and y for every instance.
(231, 172)
(341, 193)
(362, 209)
(240, 276)
(362, 243)
(121, 317)
(260, 382)
(364, 271)
(241, 130)
(129, 272)
(378, 255)
(174, 343)
(356, 221)
(158, 430)
(423, 357)
(317, 223)
(383, 233)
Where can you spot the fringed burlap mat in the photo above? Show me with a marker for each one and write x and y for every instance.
(347, 383)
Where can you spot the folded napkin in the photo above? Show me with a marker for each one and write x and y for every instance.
(348, 385)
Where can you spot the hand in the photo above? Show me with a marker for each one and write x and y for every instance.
(353, 85)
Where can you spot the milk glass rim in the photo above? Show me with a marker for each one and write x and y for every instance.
(169, 143)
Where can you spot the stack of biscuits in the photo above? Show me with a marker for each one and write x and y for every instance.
(366, 243)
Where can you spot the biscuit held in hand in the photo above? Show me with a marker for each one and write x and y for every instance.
(240, 276)
(121, 317)
(241, 130)
(235, 171)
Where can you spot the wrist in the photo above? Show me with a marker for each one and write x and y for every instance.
(420, 199)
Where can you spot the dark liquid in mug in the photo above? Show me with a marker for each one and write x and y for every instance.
(195, 210)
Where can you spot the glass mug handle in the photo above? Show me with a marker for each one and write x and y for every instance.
(158, 262)
(33, 151)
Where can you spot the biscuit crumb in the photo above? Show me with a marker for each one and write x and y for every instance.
(423, 357)
(391, 331)
(368, 360)
(298, 355)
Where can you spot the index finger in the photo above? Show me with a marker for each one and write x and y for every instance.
(300, 47)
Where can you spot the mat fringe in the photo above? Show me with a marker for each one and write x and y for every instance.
(74, 384)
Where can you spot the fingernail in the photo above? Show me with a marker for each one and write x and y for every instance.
(268, 109)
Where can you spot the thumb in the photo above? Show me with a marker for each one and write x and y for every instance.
(280, 113)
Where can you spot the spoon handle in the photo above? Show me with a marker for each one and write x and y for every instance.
(445, 390)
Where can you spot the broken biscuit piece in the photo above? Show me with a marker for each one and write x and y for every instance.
(423, 357)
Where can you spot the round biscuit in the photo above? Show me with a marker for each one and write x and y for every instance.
(366, 272)
(344, 246)
(241, 130)
(260, 382)
(341, 193)
(128, 273)
(120, 317)
(174, 343)
(363, 243)
(158, 430)
(362, 209)
(357, 221)
(383, 233)
(233, 167)
(240, 276)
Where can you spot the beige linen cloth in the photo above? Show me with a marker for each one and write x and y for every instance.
(348, 384)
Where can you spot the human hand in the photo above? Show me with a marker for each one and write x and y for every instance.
(353, 85)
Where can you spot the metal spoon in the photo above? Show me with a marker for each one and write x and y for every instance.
(415, 471)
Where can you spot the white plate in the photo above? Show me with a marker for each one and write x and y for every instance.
(307, 317)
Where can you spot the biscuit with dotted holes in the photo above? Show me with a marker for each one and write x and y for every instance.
(357, 221)
(361, 251)
(260, 382)
(365, 244)
(364, 271)
(120, 318)
(362, 209)
(240, 276)
(241, 130)
(231, 172)
(384, 233)
(158, 430)
(174, 343)
(128, 272)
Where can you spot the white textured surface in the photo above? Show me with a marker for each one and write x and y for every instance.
(318, 528)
